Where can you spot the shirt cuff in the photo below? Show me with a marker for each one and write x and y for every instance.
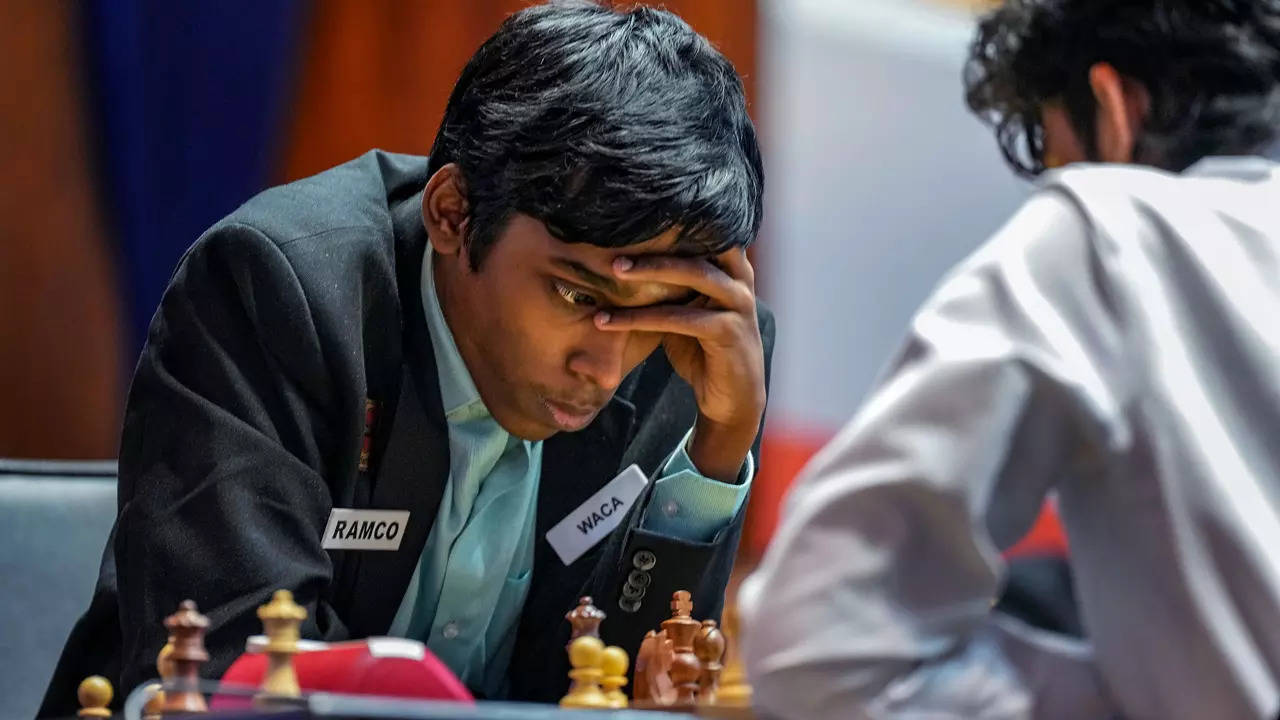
(689, 506)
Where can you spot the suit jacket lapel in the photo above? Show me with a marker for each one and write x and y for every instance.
(414, 467)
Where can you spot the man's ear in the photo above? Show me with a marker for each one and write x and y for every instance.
(445, 211)
(1122, 108)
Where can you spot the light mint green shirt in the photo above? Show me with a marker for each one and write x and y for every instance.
(466, 595)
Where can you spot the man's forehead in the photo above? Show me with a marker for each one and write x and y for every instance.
(663, 244)
(667, 244)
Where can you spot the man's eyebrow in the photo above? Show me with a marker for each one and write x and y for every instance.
(591, 277)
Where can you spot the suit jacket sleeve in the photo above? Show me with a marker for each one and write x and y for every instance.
(222, 498)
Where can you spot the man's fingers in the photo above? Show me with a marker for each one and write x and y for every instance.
(696, 273)
(738, 267)
(701, 323)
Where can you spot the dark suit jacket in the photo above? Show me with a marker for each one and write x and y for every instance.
(244, 428)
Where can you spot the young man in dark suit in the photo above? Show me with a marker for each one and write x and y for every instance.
(478, 344)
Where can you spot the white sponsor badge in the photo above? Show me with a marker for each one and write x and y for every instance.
(598, 516)
(365, 529)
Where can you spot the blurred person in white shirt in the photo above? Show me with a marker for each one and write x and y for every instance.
(1116, 342)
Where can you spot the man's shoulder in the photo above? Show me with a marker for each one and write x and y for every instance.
(328, 231)
(326, 248)
(354, 198)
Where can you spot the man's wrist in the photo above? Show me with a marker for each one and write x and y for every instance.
(719, 451)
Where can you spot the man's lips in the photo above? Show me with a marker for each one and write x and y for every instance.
(570, 417)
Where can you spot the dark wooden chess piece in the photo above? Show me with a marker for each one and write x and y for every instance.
(652, 687)
(187, 627)
(709, 646)
(584, 620)
(685, 667)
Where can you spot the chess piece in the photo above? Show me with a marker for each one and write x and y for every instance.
(281, 619)
(585, 655)
(708, 645)
(164, 668)
(653, 664)
(155, 701)
(685, 667)
(734, 690)
(614, 666)
(584, 620)
(95, 695)
(164, 661)
(187, 626)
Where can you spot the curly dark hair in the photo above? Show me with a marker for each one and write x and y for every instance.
(1212, 68)
(611, 126)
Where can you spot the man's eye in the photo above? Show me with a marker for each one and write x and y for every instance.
(574, 297)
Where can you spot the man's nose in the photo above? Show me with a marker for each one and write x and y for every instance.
(600, 357)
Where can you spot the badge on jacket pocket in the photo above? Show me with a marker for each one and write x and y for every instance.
(598, 516)
(351, 529)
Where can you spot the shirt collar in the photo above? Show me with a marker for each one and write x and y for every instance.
(1240, 167)
(458, 391)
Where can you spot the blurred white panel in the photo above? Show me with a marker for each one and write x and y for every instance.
(878, 181)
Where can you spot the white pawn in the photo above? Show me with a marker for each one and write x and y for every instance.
(95, 695)
(586, 654)
(281, 619)
(614, 664)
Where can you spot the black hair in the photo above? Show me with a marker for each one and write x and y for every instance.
(610, 126)
(1212, 68)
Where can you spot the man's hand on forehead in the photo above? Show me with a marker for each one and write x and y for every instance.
(726, 281)
(661, 287)
(711, 336)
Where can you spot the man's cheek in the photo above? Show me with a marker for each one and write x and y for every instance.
(641, 346)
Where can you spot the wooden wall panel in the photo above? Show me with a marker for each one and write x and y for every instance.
(61, 375)
(378, 74)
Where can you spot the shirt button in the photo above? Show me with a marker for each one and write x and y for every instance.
(644, 560)
(672, 508)
(450, 630)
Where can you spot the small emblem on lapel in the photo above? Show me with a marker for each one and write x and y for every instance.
(366, 442)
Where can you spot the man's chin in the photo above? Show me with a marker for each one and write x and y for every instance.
(528, 429)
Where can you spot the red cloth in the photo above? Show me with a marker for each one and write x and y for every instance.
(387, 667)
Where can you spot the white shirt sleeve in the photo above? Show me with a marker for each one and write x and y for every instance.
(874, 598)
